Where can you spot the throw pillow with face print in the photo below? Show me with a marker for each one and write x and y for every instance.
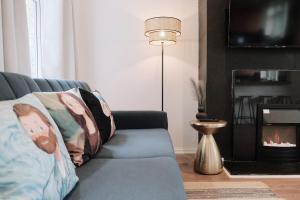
(40, 130)
(101, 112)
(76, 123)
(34, 161)
(106, 110)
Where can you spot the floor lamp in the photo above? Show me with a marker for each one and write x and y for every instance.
(162, 31)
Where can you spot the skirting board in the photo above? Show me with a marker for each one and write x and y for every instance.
(185, 150)
(261, 176)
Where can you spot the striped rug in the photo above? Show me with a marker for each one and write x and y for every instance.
(228, 190)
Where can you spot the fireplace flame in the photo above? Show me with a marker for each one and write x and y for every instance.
(275, 140)
(277, 137)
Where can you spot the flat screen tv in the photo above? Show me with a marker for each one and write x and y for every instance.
(264, 23)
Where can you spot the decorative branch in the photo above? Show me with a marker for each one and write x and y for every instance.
(199, 89)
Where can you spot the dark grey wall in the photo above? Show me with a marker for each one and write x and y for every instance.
(221, 60)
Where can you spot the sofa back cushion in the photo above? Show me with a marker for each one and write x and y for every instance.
(13, 86)
(34, 162)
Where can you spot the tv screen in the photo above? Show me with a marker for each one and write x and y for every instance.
(264, 23)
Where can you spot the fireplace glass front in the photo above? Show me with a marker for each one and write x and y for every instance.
(279, 136)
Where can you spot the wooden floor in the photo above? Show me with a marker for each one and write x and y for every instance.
(285, 188)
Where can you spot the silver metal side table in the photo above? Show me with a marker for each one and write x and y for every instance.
(208, 159)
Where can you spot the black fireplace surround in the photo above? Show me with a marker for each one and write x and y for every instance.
(266, 115)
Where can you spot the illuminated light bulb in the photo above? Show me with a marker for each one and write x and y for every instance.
(162, 34)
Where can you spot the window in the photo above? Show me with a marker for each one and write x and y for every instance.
(33, 9)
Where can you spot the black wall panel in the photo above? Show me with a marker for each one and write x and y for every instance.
(220, 62)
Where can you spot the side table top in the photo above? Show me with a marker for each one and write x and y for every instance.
(217, 124)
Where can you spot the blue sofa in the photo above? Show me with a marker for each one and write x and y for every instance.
(138, 163)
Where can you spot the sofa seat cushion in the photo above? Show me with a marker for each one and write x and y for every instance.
(138, 143)
(129, 179)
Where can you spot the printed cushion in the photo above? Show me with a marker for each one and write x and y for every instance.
(75, 122)
(98, 120)
(101, 113)
(107, 111)
(34, 162)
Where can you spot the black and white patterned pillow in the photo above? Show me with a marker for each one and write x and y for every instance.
(101, 112)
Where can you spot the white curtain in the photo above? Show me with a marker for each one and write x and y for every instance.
(57, 47)
(14, 43)
(58, 40)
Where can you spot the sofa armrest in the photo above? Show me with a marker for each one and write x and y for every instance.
(140, 119)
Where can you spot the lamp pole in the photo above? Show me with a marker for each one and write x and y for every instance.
(162, 76)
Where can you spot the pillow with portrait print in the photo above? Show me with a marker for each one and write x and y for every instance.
(75, 122)
(103, 133)
(34, 162)
(106, 111)
(101, 113)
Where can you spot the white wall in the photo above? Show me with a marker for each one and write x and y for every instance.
(115, 57)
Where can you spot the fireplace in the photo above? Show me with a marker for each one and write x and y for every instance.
(265, 114)
(278, 136)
